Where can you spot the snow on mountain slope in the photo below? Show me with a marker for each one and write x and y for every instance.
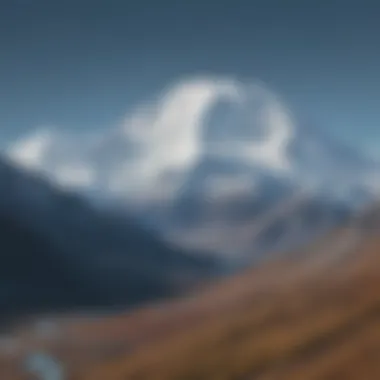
(209, 152)
(198, 118)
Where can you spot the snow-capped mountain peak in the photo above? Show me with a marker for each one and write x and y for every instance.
(206, 161)
(197, 121)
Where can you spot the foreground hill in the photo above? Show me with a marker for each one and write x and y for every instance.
(312, 315)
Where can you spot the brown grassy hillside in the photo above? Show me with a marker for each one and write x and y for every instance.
(312, 315)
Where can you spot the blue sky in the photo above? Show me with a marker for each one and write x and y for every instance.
(81, 65)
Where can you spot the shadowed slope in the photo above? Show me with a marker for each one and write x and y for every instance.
(60, 253)
(34, 274)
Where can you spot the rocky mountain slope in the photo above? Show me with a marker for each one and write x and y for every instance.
(311, 315)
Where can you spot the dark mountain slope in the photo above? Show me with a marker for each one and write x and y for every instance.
(34, 275)
(57, 252)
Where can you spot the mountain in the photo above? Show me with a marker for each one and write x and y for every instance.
(59, 252)
(35, 276)
(313, 314)
(207, 161)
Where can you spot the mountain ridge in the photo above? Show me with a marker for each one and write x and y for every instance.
(119, 262)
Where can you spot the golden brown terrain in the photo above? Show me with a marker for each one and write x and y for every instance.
(311, 315)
